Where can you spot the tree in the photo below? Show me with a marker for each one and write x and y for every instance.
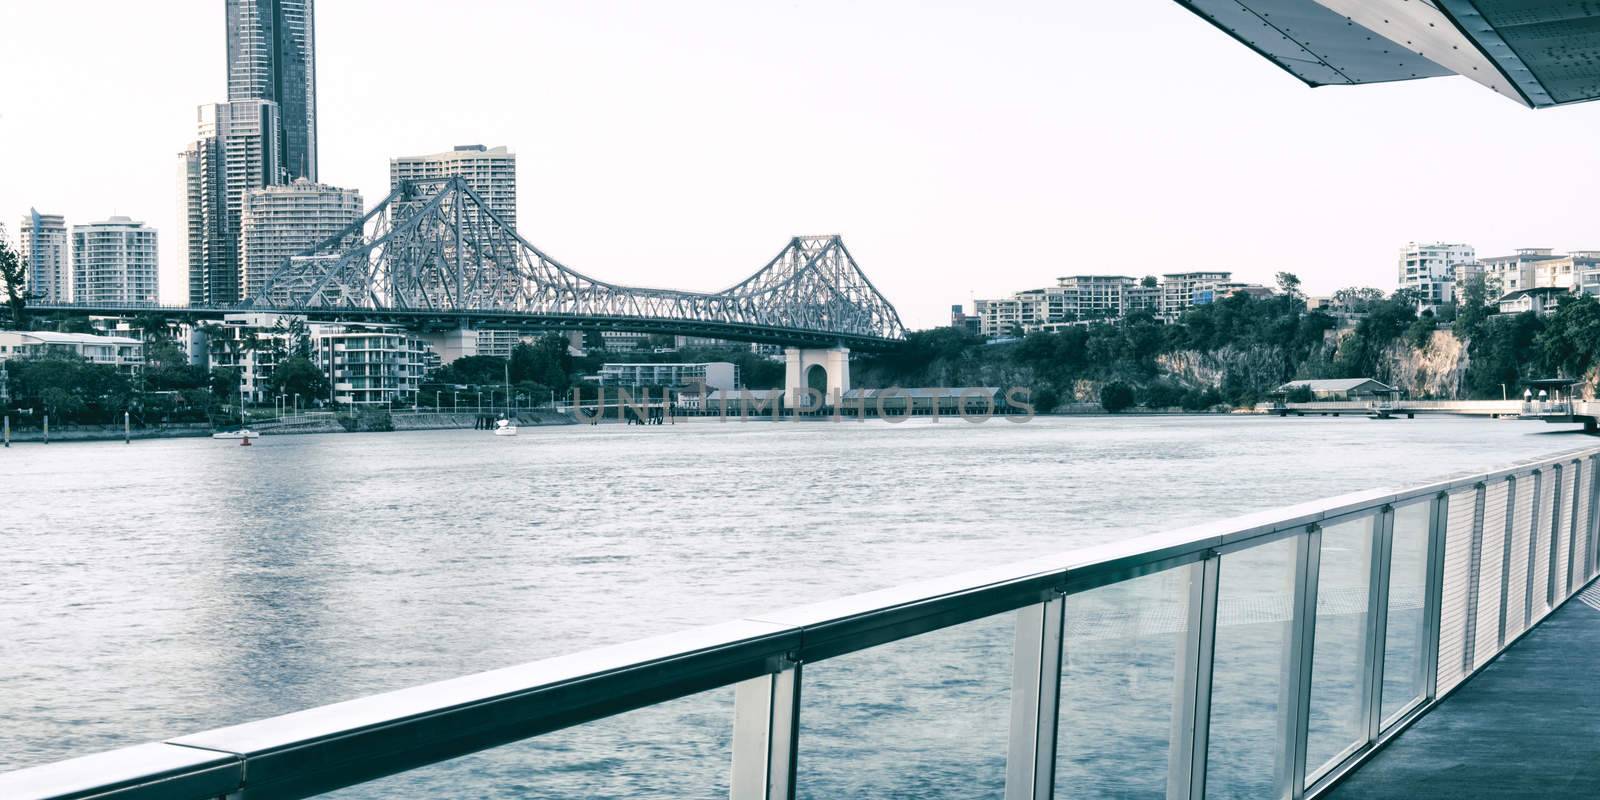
(297, 375)
(1570, 342)
(1357, 298)
(14, 277)
(1149, 282)
(225, 383)
(1116, 396)
(69, 387)
(1289, 285)
(1474, 308)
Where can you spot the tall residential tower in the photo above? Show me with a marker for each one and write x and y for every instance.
(281, 221)
(114, 261)
(489, 171)
(44, 255)
(236, 152)
(272, 56)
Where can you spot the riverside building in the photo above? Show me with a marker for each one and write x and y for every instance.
(370, 364)
(1428, 270)
(1181, 291)
(490, 172)
(282, 221)
(44, 256)
(237, 151)
(123, 352)
(271, 51)
(114, 261)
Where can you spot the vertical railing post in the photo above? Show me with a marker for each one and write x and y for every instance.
(1589, 527)
(1572, 525)
(1433, 605)
(1378, 619)
(1555, 537)
(1533, 546)
(1296, 708)
(1469, 635)
(1505, 560)
(1035, 700)
(1191, 717)
(1594, 522)
(766, 733)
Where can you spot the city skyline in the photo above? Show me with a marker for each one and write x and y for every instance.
(648, 166)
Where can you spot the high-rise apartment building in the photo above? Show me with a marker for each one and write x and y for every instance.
(114, 261)
(44, 256)
(1428, 270)
(271, 53)
(491, 172)
(278, 222)
(236, 152)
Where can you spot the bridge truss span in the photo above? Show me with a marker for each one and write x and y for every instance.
(434, 248)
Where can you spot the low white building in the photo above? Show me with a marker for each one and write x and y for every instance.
(370, 364)
(1540, 300)
(714, 374)
(123, 352)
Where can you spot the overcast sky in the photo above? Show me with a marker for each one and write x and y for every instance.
(961, 148)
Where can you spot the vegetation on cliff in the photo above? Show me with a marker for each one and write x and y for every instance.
(1238, 350)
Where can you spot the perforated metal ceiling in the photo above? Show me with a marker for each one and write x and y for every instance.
(1538, 52)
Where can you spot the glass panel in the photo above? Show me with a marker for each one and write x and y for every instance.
(1118, 681)
(1404, 642)
(924, 717)
(1255, 620)
(1338, 718)
(677, 748)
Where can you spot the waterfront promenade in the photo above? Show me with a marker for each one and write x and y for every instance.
(1528, 726)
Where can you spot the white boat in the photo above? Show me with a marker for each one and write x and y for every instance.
(242, 433)
(504, 426)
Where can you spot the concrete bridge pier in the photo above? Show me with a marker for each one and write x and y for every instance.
(826, 370)
(452, 344)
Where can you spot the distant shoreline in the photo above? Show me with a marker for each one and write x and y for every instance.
(398, 423)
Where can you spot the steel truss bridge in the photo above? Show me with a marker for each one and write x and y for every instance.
(434, 253)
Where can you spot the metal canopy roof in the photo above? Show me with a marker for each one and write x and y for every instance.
(1537, 52)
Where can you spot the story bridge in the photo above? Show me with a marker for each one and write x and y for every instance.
(433, 253)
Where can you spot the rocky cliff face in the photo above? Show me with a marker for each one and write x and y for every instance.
(1256, 366)
(1436, 371)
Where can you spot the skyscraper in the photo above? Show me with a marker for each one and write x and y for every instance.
(236, 152)
(44, 252)
(282, 221)
(272, 56)
(114, 261)
(491, 172)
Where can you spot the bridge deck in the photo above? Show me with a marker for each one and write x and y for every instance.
(1527, 726)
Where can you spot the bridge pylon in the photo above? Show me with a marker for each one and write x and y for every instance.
(825, 370)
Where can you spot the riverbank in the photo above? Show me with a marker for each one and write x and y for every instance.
(381, 422)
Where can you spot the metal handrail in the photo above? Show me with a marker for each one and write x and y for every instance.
(330, 747)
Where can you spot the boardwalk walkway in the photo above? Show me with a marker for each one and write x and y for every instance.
(1528, 726)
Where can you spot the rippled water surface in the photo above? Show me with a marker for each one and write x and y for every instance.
(166, 587)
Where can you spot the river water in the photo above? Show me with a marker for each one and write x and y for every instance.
(167, 587)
